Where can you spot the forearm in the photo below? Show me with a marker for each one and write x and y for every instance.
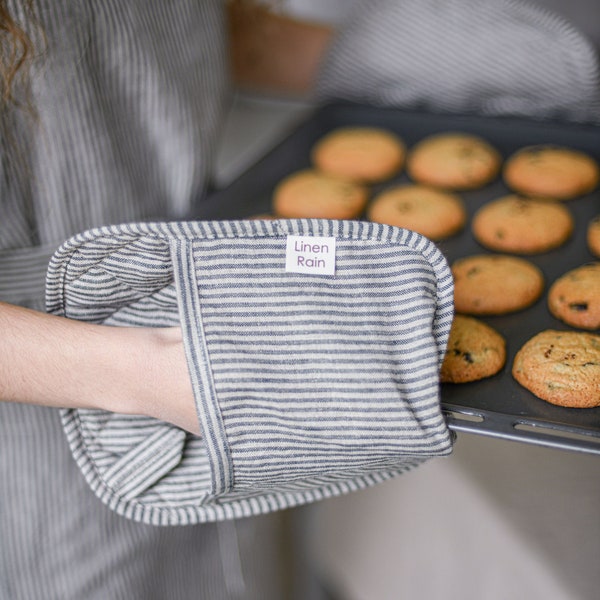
(60, 362)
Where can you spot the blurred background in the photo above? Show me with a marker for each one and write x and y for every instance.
(497, 519)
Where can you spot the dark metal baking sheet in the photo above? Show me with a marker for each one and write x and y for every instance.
(496, 406)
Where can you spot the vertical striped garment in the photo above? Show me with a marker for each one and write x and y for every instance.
(127, 97)
(307, 385)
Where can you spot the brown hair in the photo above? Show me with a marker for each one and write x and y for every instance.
(16, 49)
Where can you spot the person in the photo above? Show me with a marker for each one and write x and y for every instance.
(110, 112)
(114, 122)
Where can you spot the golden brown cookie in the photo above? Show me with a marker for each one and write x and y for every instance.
(454, 161)
(575, 297)
(561, 367)
(312, 194)
(551, 171)
(365, 154)
(475, 351)
(522, 225)
(593, 236)
(433, 213)
(495, 284)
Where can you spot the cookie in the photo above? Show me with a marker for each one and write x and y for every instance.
(454, 161)
(520, 225)
(312, 194)
(551, 171)
(495, 284)
(575, 297)
(561, 367)
(433, 213)
(364, 154)
(593, 236)
(475, 351)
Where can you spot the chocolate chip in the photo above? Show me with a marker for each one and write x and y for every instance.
(578, 306)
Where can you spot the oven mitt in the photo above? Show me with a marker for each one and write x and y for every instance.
(313, 348)
(488, 57)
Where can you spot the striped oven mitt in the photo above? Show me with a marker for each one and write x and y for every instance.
(313, 347)
(488, 57)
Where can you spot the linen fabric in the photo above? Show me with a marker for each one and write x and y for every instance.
(487, 57)
(307, 385)
(124, 105)
(126, 101)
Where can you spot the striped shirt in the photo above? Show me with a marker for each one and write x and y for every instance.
(128, 97)
(128, 100)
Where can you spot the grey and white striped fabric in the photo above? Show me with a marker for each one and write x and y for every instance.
(307, 385)
(128, 98)
(489, 57)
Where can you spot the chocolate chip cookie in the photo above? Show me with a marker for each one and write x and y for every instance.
(475, 351)
(561, 367)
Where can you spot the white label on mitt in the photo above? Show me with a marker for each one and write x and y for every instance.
(308, 254)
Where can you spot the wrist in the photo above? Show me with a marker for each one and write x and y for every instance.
(64, 363)
(155, 380)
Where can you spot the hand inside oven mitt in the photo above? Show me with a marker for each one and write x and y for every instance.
(313, 350)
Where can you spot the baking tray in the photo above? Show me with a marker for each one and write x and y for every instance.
(496, 406)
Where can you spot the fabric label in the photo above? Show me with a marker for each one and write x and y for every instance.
(310, 254)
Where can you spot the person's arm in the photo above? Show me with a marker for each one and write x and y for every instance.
(54, 361)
